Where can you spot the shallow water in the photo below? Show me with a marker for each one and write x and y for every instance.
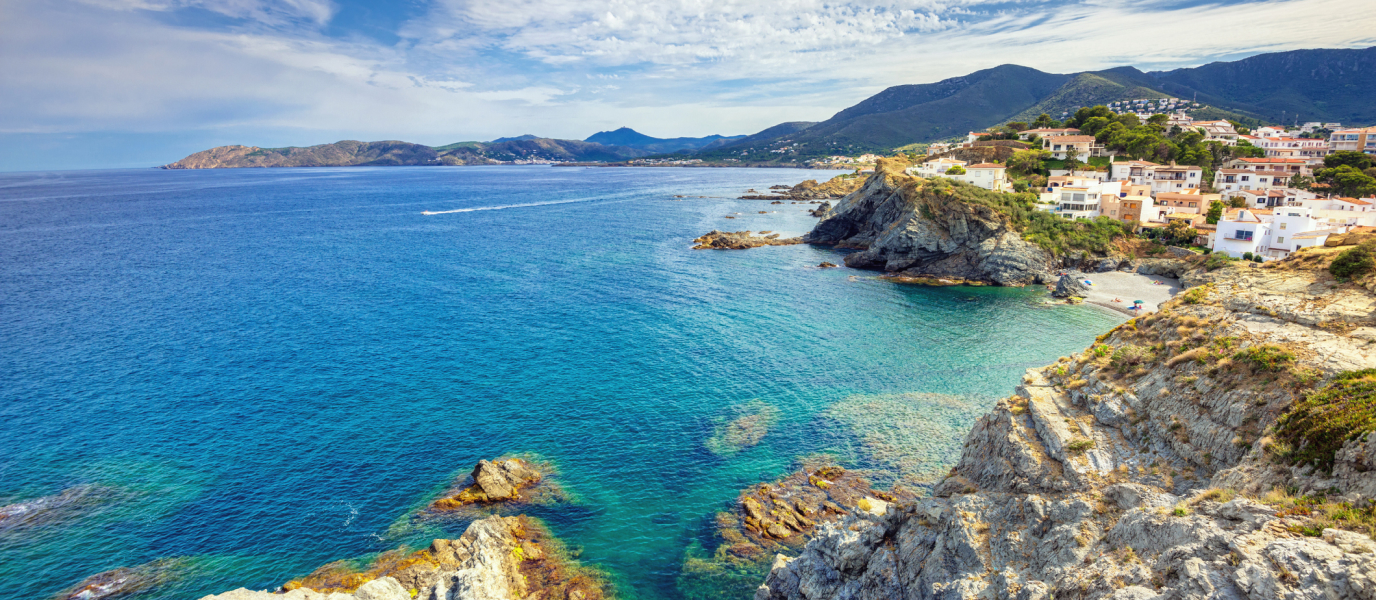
(263, 370)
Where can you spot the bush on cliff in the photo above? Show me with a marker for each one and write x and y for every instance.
(1318, 426)
(1355, 261)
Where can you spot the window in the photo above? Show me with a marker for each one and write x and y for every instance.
(1282, 225)
(1192, 205)
(1280, 240)
(1243, 234)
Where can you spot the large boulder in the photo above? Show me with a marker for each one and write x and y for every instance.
(501, 480)
(1070, 284)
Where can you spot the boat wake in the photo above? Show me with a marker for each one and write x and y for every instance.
(505, 206)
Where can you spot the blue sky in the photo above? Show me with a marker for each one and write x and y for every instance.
(127, 83)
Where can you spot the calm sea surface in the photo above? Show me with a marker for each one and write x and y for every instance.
(261, 371)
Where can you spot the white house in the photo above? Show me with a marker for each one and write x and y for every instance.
(1176, 178)
(1081, 198)
(935, 168)
(990, 176)
(1297, 166)
(1139, 172)
(1295, 227)
(1230, 181)
(1243, 231)
(1080, 146)
(1218, 131)
(1046, 133)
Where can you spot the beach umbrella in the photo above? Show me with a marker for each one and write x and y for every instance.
(1138, 302)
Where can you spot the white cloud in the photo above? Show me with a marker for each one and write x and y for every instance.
(271, 12)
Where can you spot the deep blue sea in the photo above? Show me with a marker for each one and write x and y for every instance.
(262, 370)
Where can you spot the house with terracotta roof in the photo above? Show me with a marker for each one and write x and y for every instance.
(1191, 203)
(1127, 207)
(974, 136)
(1285, 147)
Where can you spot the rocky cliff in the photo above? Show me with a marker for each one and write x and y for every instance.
(339, 154)
(1186, 454)
(924, 228)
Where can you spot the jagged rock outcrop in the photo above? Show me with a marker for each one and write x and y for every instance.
(497, 558)
(1141, 469)
(916, 228)
(833, 188)
(740, 240)
(501, 480)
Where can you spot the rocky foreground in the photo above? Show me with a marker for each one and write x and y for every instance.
(1215, 449)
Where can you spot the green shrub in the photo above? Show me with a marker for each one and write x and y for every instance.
(1196, 294)
(1265, 357)
(1257, 258)
(1217, 260)
(1327, 418)
(1126, 357)
(1079, 446)
(1246, 256)
(1354, 261)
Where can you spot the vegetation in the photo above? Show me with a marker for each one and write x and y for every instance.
(956, 170)
(1318, 426)
(1079, 446)
(1265, 357)
(1215, 213)
(1355, 261)
(1197, 294)
(1028, 162)
(1054, 234)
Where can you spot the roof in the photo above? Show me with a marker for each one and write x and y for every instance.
(1183, 168)
(1075, 138)
(1274, 160)
(1047, 130)
(1354, 201)
(987, 166)
(980, 133)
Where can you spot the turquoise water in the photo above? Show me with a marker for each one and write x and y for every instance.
(262, 370)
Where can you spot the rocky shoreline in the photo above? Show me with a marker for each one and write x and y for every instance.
(1145, 468)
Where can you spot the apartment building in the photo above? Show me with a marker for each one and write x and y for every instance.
(1242, 231)
(1230, 181)
(1127, 207)
(1295, 166)
(1191, 203)
(1176, 178)
(1218, 131)
(1046, 133)
(1355, 140)
(1082, 198)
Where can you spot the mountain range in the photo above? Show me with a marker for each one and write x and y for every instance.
(1304, 85)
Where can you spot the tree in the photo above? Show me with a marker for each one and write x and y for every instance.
(1072, 161)
(1215, 213)
(1356, 160)
(1018, 126)
(1087, 113)
(1158, 120)
(955, 170)
(1177, 233)
(1237, 202)
(1128, 120)
(1094, 125)
(1346, 180)
(1043, 122)
(1028, 161)
(1301, 182)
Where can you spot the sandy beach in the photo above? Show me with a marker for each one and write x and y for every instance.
(1128, 287)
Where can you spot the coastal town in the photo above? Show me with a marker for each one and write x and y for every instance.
(1275, 190)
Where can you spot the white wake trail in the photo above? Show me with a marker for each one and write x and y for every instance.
(505, 206)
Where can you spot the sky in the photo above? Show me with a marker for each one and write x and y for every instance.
(136, 83)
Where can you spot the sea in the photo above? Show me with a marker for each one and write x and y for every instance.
(246, 374)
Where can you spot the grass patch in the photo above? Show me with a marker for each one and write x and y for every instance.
(1079, 446)
(1355, 261)
(1318, 426)
(1196, 294)
(1265, 357)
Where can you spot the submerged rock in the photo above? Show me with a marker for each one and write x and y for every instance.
(827, 265)
(911, 438)
(747, 426)
(126, 581)
(495, 558)
(50, 508)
